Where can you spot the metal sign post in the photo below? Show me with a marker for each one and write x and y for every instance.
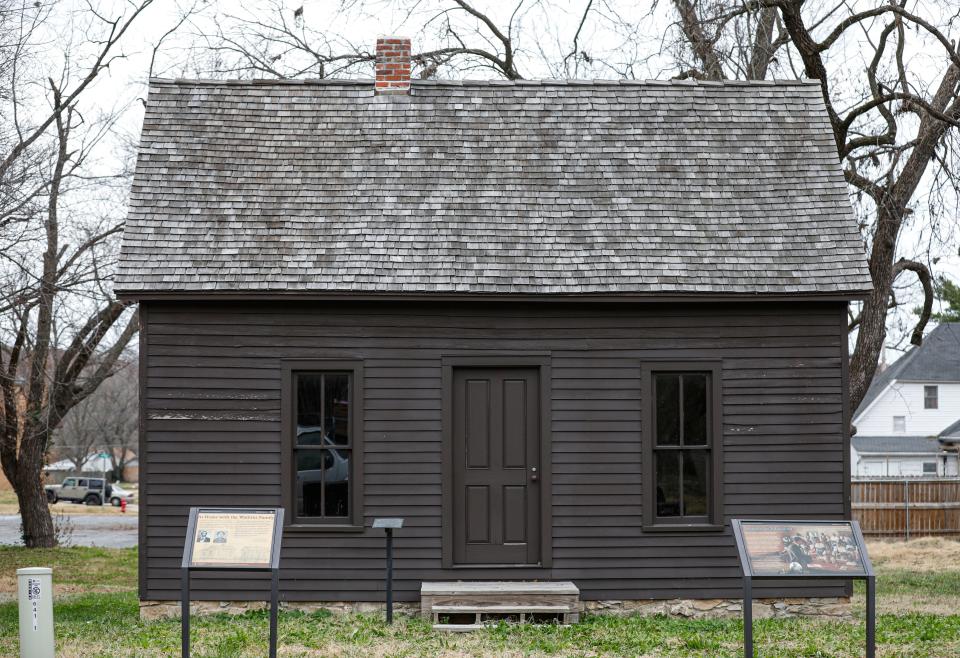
(231, 538)
(388, 525)
(757, 558)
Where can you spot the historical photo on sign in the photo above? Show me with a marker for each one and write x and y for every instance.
(802, 549)
(243, 538)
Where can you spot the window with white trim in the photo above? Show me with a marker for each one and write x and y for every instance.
(899, 424)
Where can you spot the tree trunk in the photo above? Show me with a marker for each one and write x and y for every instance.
(872, 329)
(34, 511)
(871, 337)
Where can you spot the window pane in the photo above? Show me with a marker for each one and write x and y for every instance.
(310, 470)
(930, 397)
(695, 410)
(309, 412)
(668, 482)
(336, 482)
(695, 482)
(309, 436)
(336, 408)
(899, 424)
(668, 409)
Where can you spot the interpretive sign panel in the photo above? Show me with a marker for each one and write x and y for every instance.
(233, 539)
(798, 548)
(784, 550)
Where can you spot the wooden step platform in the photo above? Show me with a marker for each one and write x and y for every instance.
(467, 606)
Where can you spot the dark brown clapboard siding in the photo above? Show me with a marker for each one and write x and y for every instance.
(212, 434)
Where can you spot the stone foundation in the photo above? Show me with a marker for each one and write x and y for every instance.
(150, 610)
(834, 607)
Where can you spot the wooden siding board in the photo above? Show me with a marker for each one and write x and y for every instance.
(211, 412)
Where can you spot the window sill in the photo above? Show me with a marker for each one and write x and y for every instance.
(322, 527)
(683, 527)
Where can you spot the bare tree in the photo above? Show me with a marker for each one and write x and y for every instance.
(893, 120)
(63, 331)
(78, 434)
(455, 38)
(116, 417)
(104, 422)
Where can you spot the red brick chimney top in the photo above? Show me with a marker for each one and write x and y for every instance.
(393, 65)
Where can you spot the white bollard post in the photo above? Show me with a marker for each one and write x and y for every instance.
(35, 590)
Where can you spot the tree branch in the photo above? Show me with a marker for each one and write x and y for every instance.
(702, 46)
(923, 274)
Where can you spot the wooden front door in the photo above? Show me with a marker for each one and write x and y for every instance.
(496, 466)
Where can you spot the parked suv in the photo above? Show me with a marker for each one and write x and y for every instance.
(91, 491)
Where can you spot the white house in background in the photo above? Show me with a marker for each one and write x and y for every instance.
(909, 422)
(900, 456)
(96, 462)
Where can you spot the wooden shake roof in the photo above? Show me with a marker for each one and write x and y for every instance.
(556, 188)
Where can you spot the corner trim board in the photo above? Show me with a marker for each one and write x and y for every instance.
(144, 470)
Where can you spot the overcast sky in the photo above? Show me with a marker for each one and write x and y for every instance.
(124, 84)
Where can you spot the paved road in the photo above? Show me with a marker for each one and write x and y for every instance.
(110, 531)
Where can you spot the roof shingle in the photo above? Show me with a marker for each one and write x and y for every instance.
(473, 187)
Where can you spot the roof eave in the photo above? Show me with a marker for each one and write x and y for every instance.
(272, 295)
(899, 454)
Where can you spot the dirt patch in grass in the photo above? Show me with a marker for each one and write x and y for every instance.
(900, 604)
(919, 576)
(928, 554)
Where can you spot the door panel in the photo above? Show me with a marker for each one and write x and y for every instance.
(478, 514)
(496, 446)
(514, 515)
(477, 423)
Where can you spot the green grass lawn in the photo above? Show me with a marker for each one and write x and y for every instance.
(97, 616)
(77, 569)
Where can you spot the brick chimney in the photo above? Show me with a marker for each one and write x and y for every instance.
(393, 65)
